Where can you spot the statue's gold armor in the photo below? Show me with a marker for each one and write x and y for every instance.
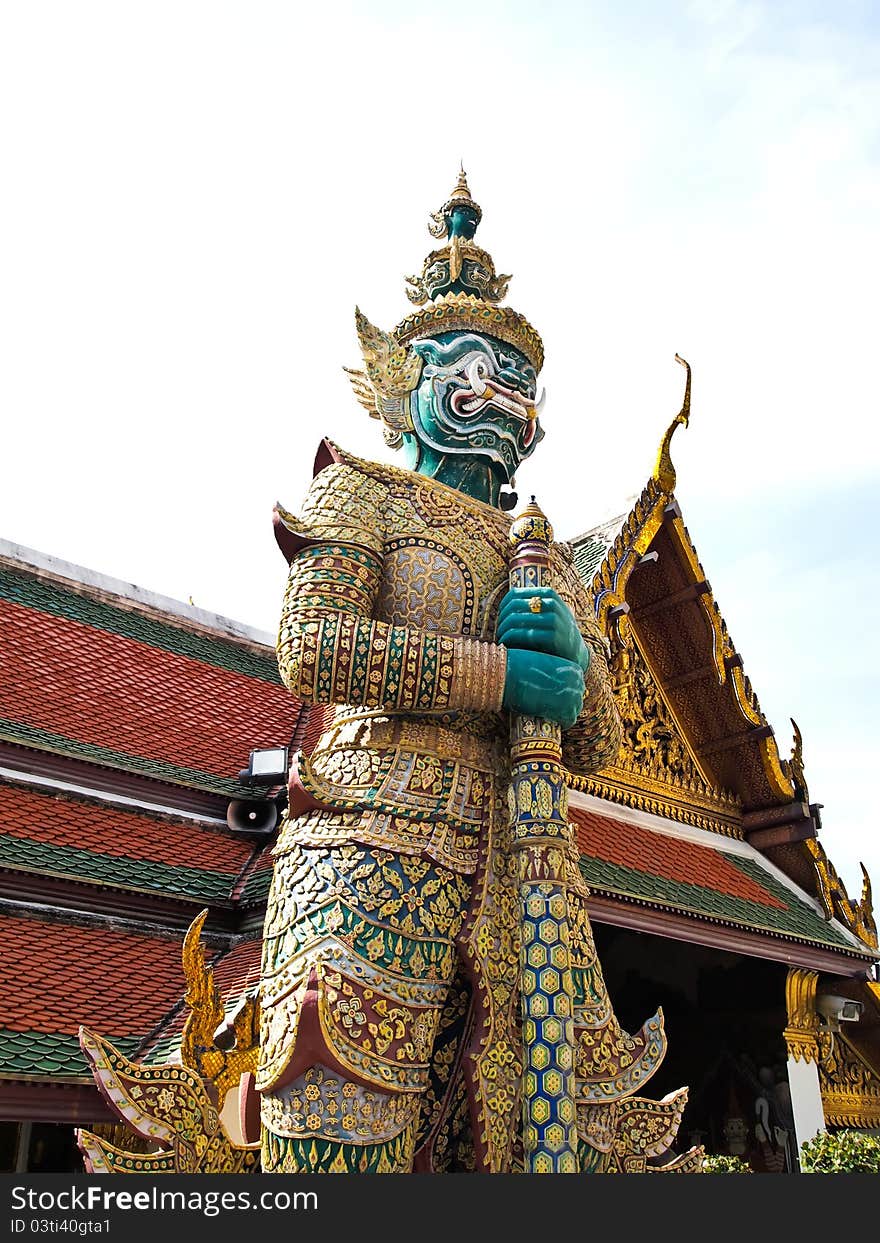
(391, 945)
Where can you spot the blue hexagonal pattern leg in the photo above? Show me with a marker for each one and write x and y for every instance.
(549, 1123)
(538, 808)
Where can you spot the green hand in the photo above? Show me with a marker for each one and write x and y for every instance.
(538, 684)
(552, 630)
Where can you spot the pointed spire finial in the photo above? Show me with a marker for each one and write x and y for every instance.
(460, 214)
(796, 765)
(461, 189)
(664, 470)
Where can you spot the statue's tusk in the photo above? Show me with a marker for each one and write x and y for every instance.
(475, 379)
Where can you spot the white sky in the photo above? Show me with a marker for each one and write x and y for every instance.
(197, 194)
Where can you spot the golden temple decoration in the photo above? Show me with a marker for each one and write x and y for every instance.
(730, 671)
(469, 312)
(801, 1032)
(458, 287)
(664, 471)
(119, 1136)
(632, 540)
(858, 917)
(392, 370)
(610, 581)
(198, 1049)
(630, 1134)
(794, 766)
(169, 1106)
(169, 1114)
(460, 196)
(850, 1086)
(654, 770)
(652, 743)
(683, 806)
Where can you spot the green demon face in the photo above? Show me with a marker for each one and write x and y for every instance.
(476, 398)
(462, 221)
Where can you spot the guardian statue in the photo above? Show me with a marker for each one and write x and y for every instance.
(395, 1034)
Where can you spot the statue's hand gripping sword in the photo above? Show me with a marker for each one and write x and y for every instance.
(538, 801)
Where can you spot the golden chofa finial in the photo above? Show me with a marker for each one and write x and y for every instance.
(796, 765)
(664, 471)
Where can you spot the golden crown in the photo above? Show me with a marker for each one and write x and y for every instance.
(458, 289)
(458, 286)
(465, 310)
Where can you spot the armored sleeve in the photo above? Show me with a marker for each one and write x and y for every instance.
(593, 741)
(332, 648)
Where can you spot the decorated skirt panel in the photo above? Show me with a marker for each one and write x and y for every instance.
(360, 942)
(283, 1154)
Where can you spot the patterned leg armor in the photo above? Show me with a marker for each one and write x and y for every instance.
(374, 1130)
(358, 962)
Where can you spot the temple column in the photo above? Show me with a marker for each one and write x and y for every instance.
(803, 1055)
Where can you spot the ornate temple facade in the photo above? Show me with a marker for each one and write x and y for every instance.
(135, 857)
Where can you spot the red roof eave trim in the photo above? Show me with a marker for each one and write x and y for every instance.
(641, 916)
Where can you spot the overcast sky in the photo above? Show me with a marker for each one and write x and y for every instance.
(196, 195)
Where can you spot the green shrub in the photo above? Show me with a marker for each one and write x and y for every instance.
(843, 1152)
(725, 1165)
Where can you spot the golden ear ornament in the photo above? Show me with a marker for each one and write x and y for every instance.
(392, 368)
(392, 372)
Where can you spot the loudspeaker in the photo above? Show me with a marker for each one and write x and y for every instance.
(245, 815)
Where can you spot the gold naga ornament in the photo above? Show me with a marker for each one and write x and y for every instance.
(169, 1113)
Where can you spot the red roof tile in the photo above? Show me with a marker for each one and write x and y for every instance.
(319, 717)
(115, 831)
(120, 982)
(670, 857)
(114, 692)
(239, 970)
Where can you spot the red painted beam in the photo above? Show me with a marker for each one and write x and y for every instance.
(676, 927)
(34, 1100)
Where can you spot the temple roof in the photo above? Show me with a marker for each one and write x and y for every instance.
(122, 980)
(591, 547)
(107, 679)
(107, 844)
(697, 745)
(125, 719)
(699, 876)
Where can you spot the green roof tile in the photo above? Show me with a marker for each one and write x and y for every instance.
(26, 854)
(795, 919)
(30, 735)
(806, 919)
(256, 887)
(36, 1053)
(213, 650)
